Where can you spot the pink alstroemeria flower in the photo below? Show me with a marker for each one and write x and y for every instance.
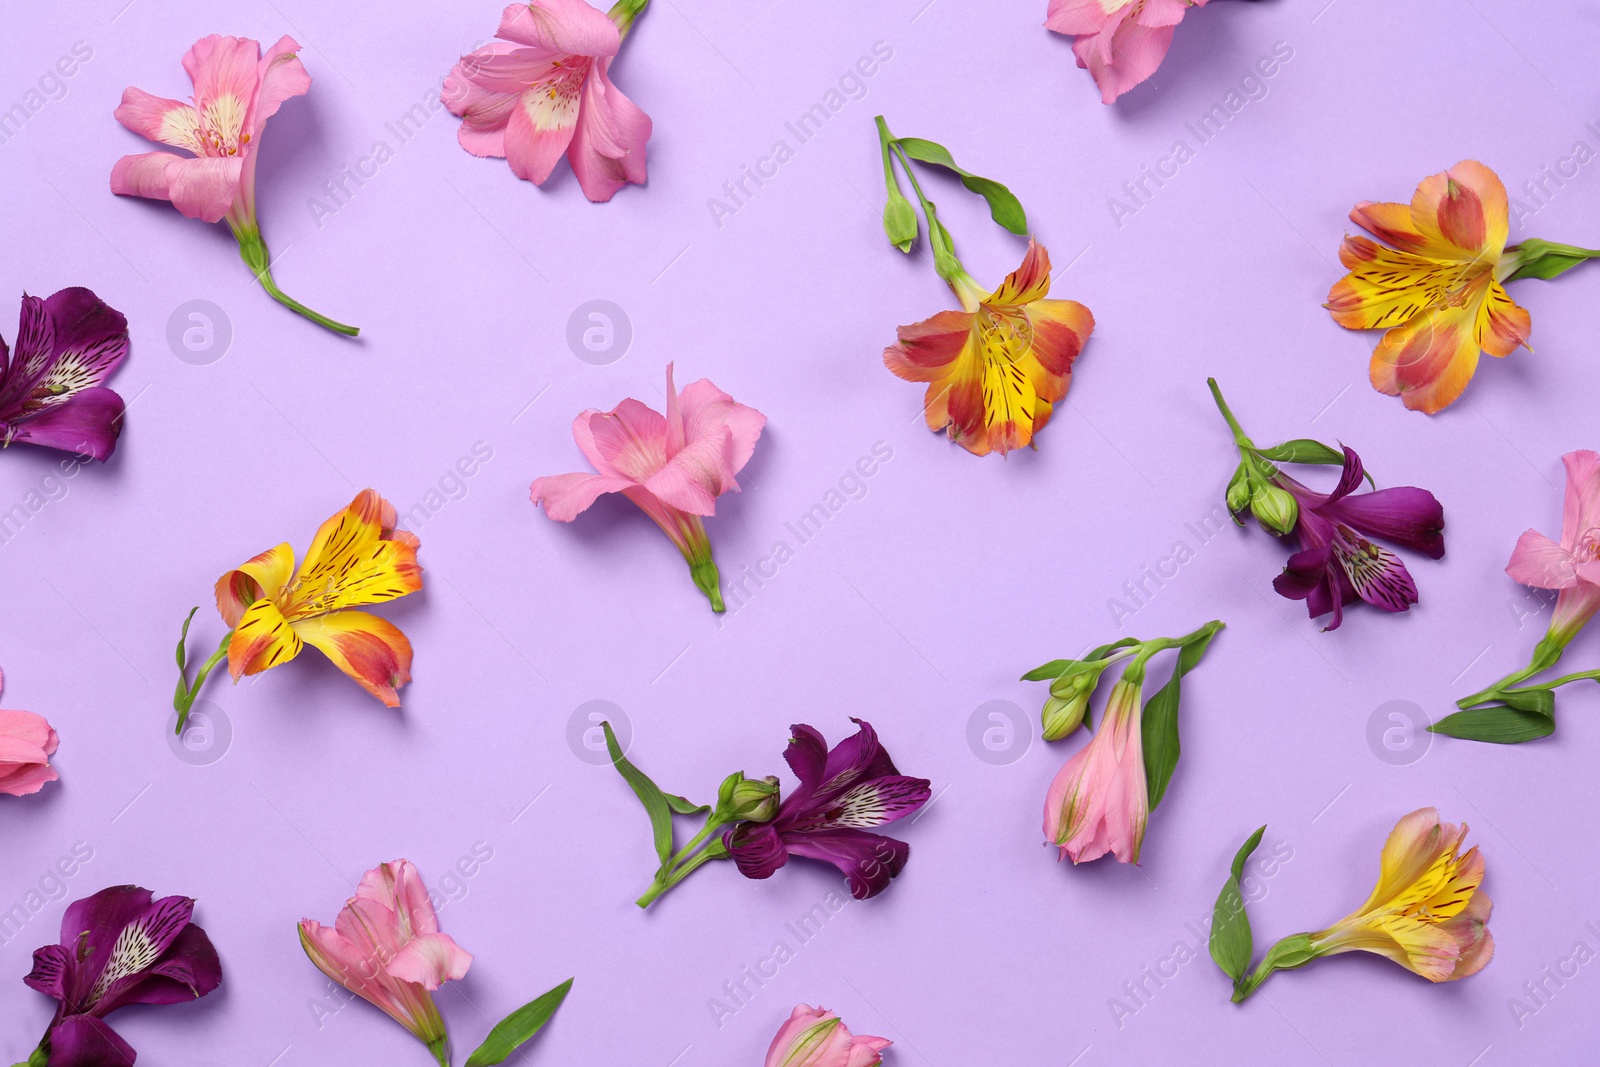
(544, 90)
(386, 948)
(236, 90)
(1120, 42)
(1098, 802)
(674, 466)
(1572, 568)
(816, 1037)
(26, 744)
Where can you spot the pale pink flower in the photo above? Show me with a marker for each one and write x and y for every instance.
(1120, 42)
(544, 90)
(236, 90)
(1098, 802)
(672, 466)
(26, 744)
(1573, 566)
(386, 948)
(816, 1037)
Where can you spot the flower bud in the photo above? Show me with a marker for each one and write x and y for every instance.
(1239, 491)
(1069, 701)
(742, 799)
(1274, 508)
(900, 221)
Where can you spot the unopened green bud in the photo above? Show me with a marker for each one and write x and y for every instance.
(742, 799)
(900, 221)
(1239, 491)
(1274, 508)
(1068, 702)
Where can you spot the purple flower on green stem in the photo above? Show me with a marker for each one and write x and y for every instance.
(842, 794)
(1337, 564)
(118, 947)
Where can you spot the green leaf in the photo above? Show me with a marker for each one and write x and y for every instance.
(1304, 450)
(1049, 672)
(517, 1027)
(1523, 715)
(650, 795)
(684, 806)
(1004, 207)
(1159, 729)
(1231, 940)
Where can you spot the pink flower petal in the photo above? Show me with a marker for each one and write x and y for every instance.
(566, 496)
(1541, 563)
(430, 960)
(540, 128)
(630, 440)
(148, 174)
(281, 75)
(608, 148)
(205, 188)
(168, 121)
(561, 28)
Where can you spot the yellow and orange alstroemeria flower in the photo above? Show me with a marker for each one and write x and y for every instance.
(995, 368)
(1427, 912)
(1437, 290)
(357, 558)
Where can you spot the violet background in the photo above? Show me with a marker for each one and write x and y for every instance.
(915, 606)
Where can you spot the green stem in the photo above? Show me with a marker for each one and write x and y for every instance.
(624, 12)
(1239, 435)
(679, 869)
(1545, 655)
(944, 253)
(1145, 649)
(441, 1050)
(253, 250)
(183, 699)
(885, 138)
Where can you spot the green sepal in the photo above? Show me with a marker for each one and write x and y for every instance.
(1521, 715)
(1232, 943)
(655, 802)
(1004, 207)
(518, 1027)
(1547, 259)
(1159, 729)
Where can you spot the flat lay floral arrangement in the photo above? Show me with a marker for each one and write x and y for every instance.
(451, 740)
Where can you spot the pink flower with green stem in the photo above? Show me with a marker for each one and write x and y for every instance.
(544, 91)
(1508, 711)
(673, 466)
(236, 90)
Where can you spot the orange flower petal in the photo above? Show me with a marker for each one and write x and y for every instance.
(1428, 361)
(262, 576)
(262, 639)
(356, 558)
(1462, 212)
(371, 650)
(1029, 282)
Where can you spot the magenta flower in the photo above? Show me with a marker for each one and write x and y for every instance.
(27, 742)
(118, 947)
(1119, 42)
(544, 90)
(236, 90)
(51, 390)
(386, 948)
(816, 1037)
(842, 794)
(673, 466)
(1336, 564)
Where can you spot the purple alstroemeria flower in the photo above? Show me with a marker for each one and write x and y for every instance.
(118, 947)
(841, 794)
(1336, 565)
(51, 390)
